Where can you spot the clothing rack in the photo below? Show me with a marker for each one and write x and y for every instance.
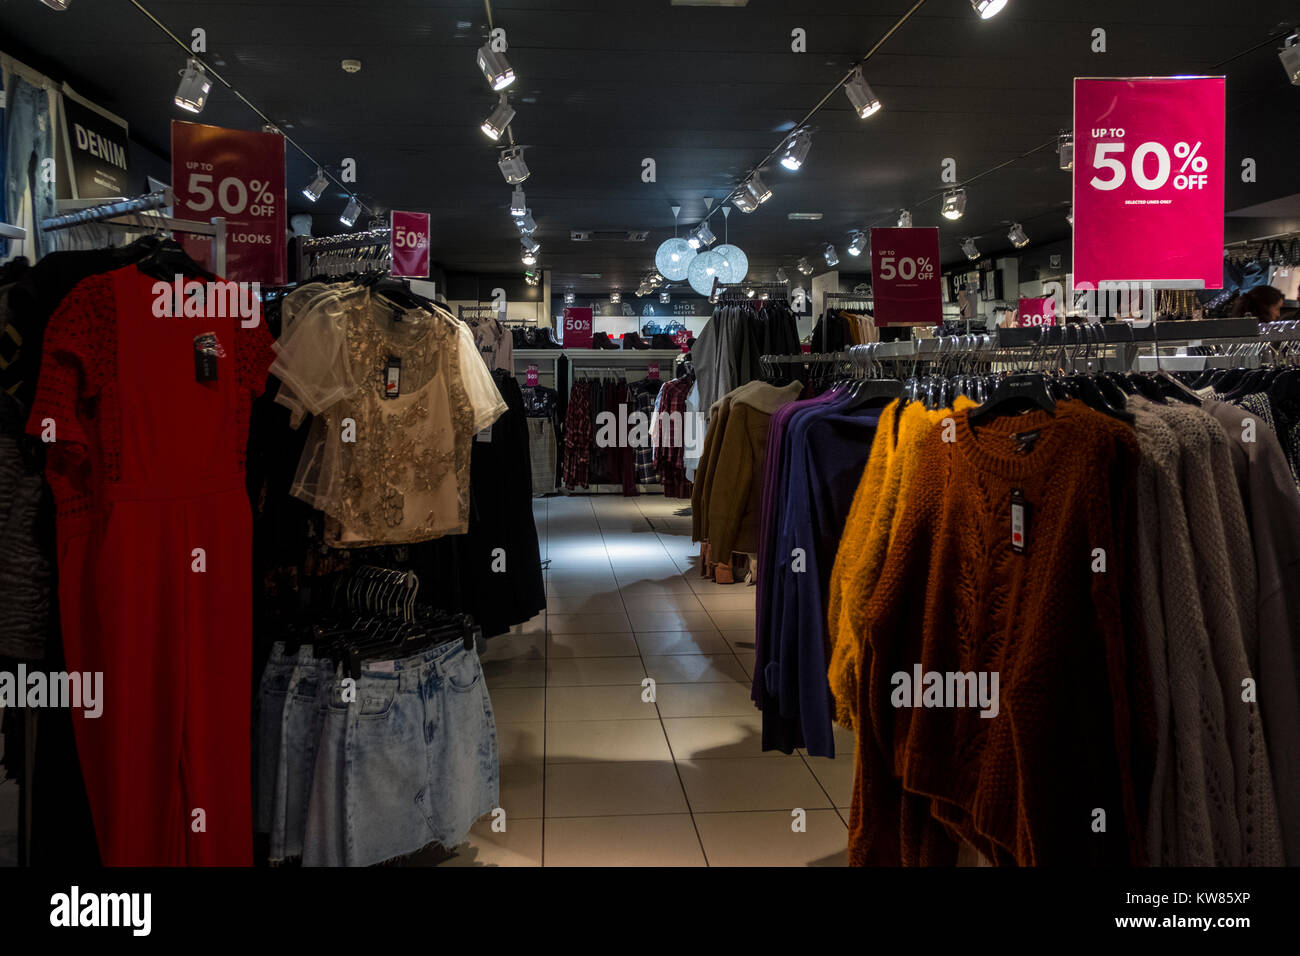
(375, 242)
(722, 289)
(12, 232)
(345, 239)
(138, 213)
(840, 300)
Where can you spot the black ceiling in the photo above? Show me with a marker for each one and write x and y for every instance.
(705, 91)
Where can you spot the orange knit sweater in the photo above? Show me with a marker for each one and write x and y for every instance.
(872, 519)
(953, 596)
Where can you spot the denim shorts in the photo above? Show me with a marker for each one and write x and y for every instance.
(273, 691)
(299, 736)
(411, 761)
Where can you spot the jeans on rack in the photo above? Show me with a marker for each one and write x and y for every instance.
(29, 141)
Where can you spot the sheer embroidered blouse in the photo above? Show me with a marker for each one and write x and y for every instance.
(386, 465)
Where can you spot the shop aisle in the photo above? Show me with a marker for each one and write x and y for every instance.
(593, 775)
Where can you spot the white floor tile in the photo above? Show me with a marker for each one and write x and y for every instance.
(769, 839)
(703, 700)
(695, 669)
(601, 702)
(589, 671)
(561, 646)
(618, 788)
(659, 643)
(585, 741)
(751, 783)
(663, 840)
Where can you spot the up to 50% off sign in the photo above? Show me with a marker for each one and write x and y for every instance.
(234, 196)
(907, 268)
(1107, 157)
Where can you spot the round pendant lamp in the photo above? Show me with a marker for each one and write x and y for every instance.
(703, 270)
(673, 258)
(735, 264)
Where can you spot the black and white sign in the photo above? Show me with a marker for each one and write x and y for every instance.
(97, 150)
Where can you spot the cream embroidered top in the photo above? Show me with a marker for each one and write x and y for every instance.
(385, 470)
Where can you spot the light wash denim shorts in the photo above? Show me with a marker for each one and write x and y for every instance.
(273, 691)
(299, 737)
(411, 761)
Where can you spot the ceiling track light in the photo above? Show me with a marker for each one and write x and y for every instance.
(988, 8)
(1069, 217)
(57, 4)
(570, 297)
(1065, 149)
(865, 103)
(1290, 57)
(969, 249)
(531, 244)
(1017, 236)
(192, 93)
(518, 204)
(316, 188)
(954, 204)
(832, 257)
(512, 165)
(804, 266)
(526, 223)
(780, 274)
(858, 243)
(702, 237)
(495, 68)
(796, 150)
(350, 212)
(757, 189)
(615, 297)
(531, 278)
(743, 201)
(905, 219)
(665, 297)
(496, 123)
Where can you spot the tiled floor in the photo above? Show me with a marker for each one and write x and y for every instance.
(595, 770)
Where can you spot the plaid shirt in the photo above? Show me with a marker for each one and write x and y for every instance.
(670, 451)
(642, 395)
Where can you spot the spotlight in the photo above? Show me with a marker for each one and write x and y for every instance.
(804, 267)
(496, 124)
(1065, 149)
(350, 212)
(832, 257)
(743, 201)
(796, 150)
(531, 244)
(969, 248)
(865, 102)
(316, 188)
(780, 274)
(531, 278)
(749, 292)
(615, 297)
(954, 204)
(512, 165)
(857, 243)
(194, 87)
(57, 4)
(665, 297)
(904, 220)
(1069, 217)
(1017, 236)
(528, 257)
(526, 223)
(1290, 57)
(570, 297)
(988, 8)
(702, 237)
(494, 67)
(757, 190)
(518, 205)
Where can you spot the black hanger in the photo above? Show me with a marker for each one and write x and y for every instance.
(1015, 393)
(168, 259)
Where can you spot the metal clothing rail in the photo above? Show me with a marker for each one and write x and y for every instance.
(138, 213)
(345, 239)
(12, 232)
(105, 211)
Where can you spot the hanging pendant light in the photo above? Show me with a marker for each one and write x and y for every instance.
(734, 264)
(703, 270)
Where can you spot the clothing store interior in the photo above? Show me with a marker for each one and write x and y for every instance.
(472, 496)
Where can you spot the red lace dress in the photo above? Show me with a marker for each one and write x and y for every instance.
(155, 554)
